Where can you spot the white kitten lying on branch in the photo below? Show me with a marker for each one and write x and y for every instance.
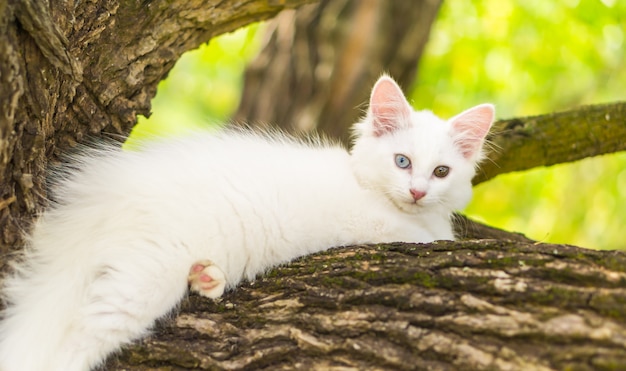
(128, 230)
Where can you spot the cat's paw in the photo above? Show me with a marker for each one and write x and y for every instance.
(207, 279)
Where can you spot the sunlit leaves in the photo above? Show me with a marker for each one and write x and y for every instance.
(532, 57)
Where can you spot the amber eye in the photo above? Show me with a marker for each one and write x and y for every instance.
(441, 171)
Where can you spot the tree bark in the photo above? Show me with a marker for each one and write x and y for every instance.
(470, 305)
(320, 62)
(70, 70)
(526, 142)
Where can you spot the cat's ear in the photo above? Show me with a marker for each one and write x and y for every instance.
(388, 109)
(470, 127)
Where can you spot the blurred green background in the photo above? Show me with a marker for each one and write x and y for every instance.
(527, 57)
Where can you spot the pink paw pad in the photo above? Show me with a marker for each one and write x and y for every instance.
(207, 279)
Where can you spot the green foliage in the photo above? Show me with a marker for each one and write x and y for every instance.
(528, 57)
(532, 57)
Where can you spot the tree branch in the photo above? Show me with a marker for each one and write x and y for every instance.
(468, 229)
(527, 142)
(482, 304)
(478, 304)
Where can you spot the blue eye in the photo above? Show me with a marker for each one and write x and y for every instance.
(403, 162)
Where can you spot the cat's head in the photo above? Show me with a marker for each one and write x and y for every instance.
(417, 160)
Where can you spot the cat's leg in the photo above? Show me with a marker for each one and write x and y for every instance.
(207, 279)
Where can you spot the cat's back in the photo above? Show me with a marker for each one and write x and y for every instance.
(239, 156)
(206, 162)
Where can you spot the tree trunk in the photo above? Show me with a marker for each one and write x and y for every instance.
(70, 70)
(320, 62)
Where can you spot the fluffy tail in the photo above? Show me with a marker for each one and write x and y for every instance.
(39, 318)
(69, 307)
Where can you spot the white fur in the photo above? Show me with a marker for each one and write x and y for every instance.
(430, 145)
(113, 253)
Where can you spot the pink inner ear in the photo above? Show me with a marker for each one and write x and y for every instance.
(470, 128)
(388, 107)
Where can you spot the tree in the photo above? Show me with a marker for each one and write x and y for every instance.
(69, 71)
(478, 304)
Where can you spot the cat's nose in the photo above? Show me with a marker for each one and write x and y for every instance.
(417, 195)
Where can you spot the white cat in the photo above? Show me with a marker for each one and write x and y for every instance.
(129, 229)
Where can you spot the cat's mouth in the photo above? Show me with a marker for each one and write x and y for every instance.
(409, 205)
(408, 202)
(417, 203)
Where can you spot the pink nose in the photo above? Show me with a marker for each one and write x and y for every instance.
(417, 195)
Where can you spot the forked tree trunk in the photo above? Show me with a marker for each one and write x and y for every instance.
(70, 70)
(319, 63)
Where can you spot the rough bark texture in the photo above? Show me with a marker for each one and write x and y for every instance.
(69, 70)
(527, 142)
(319, 62)
(470, 305)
